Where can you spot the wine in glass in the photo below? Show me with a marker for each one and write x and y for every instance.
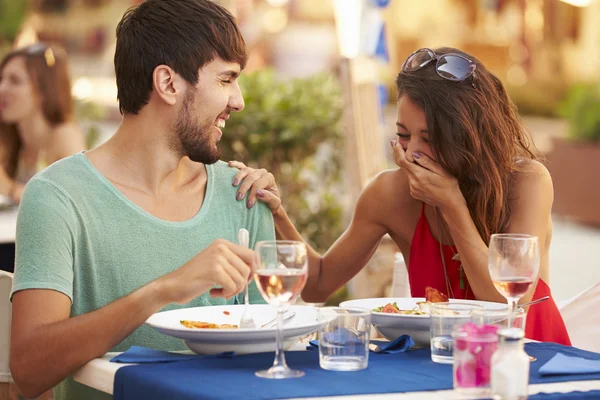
(281, 273)
(514, 263)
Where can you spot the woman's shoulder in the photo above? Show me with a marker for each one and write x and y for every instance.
(66, 130)
(392, 182)
(67, 139)
(390, 190)
(531, 171)
(531, 176)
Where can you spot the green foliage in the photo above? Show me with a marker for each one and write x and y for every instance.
(292, 129)
(90, 114)
(537, 98)
(340, 295)
(581, 107)
(12, 14)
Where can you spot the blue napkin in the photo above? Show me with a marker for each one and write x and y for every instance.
(344, 336)
(143, 355)
(561, 364)
(403, 343)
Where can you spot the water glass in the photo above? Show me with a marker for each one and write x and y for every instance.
(444, 317)
(500, 318)
(474, 346)
(344, 338)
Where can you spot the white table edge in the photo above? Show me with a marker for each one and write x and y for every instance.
(8, 225)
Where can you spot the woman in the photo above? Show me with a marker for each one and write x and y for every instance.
(467, 171)
(36, 115)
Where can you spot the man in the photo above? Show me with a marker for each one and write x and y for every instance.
(108, 237)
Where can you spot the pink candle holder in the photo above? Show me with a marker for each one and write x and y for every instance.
(474, 346)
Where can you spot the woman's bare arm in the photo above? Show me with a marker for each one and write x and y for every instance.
(532, 196)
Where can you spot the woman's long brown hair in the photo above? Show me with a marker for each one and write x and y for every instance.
(49, 73)
(475, 134)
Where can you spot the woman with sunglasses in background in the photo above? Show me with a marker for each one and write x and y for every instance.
(468, 169)
(36, 115)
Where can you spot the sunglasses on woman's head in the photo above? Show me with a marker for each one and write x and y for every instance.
(45, 50)
(451, 66)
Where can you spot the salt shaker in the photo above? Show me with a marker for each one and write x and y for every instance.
(510, 366)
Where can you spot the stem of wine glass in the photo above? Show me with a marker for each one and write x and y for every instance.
(279, 362)
(512, 306)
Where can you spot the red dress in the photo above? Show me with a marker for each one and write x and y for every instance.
(425, 268)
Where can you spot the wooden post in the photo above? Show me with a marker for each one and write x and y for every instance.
(364, 147)
(365, 158)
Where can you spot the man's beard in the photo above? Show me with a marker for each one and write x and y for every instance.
(193, 139)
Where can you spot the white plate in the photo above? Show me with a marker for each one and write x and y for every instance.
(391, 326)
(241, 341)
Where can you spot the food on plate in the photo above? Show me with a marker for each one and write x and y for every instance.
(392, 308)
(431, 296)
(434, 296)
(206, 325)
(226, 312)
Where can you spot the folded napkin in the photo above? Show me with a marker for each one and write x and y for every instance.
(401, 344)
(343, 336)
(143, 355)
(565, 365)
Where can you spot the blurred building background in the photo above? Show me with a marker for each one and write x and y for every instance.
(320, 81)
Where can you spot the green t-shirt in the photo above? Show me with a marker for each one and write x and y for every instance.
(77, 234)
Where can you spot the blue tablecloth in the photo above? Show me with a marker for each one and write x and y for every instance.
(233, 378)
(594, 394)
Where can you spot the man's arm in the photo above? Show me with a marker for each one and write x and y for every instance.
(47, 345)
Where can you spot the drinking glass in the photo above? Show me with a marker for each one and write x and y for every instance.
(514, 263)
(444, 318)
(281, 273)
(344, 338)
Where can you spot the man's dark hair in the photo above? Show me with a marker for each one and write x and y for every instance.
(183, 34)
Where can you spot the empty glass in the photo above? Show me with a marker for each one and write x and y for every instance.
(344, 338)
(444, 317)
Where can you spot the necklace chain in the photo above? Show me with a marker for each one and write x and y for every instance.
(455, 257)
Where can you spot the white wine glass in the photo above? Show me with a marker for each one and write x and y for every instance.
(514, 263)
(281, 273)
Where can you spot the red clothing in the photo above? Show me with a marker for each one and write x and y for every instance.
(425, 268)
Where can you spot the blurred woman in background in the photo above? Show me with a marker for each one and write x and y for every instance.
(36, 115)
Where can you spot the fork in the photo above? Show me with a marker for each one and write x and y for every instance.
(530, 303)
(247, 322)
(287, 314)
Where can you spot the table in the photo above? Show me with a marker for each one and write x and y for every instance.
(100, 374)
(8, 228)
(8, 225)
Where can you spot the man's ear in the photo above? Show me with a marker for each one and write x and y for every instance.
(167, 84)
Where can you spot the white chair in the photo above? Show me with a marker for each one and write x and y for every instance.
(582, 318)
(6, 279)
(400, 284)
